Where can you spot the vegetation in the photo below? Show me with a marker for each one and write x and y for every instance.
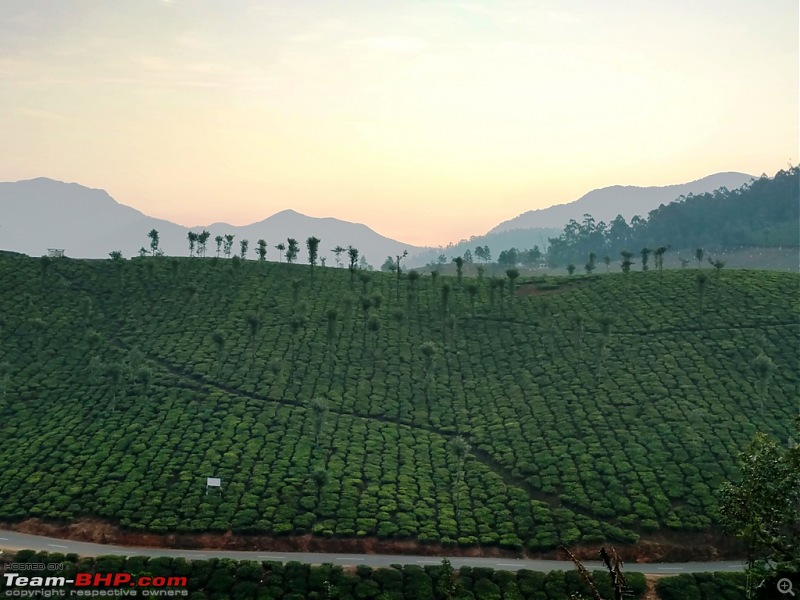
(706, 586)
(764, 213)
(610, 425)
(763, 509)
(223, 579)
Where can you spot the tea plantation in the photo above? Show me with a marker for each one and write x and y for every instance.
(592, 408)
(225, 579)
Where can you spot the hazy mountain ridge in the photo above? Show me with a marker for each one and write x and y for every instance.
(604, 204)
(42, 213)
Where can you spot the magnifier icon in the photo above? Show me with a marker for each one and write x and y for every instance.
(785, 586)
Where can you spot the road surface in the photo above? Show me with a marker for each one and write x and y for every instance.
(11, 540)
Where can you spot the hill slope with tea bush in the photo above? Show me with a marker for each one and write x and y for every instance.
(333, 403)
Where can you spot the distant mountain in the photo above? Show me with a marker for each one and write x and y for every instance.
(605, 204)
(41, 213)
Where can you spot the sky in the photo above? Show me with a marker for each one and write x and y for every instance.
(430, 121)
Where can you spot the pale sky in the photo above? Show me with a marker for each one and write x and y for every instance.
(429, 121)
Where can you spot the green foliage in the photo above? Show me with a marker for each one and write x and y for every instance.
(561, 451)
(763, 509)
(226, 578)
(765, 212)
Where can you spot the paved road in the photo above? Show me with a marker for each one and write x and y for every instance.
(11, 540)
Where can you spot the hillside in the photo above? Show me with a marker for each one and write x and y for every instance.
(41, 213)
(626, 200)
(765, 213)
(127, 383)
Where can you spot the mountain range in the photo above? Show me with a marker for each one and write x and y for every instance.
(606, 203)
(42, 213)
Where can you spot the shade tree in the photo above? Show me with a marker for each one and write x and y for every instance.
(261, 249)
(312, 245)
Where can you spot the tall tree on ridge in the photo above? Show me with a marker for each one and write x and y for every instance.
(261, 249)
(291, 250)
(312, 243)
(202, 240)
(338, 251)
(645, 252)
(352, 254)
(192, 237)
(698, 254)
(153, 235)
(228, 244)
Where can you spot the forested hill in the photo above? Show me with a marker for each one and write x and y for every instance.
(763, 213)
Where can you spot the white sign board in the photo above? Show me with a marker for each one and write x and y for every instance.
(213, 482)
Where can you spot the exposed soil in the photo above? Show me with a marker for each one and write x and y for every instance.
(650, 592)
(656, 548)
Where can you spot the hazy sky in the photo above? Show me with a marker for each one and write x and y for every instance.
(428, 120)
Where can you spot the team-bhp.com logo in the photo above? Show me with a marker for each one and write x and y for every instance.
(93, 584)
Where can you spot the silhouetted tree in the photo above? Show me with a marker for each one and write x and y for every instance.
(338, 251)
(312, 244)
(280, 248)
(698, 254)
(607, 260)
(659, 258)
(512, 275)
(626, 263)
(645, 252)
(243, 245)
(219, 240)
(590, 265)
(153, 235)
(228, 244)
(202, 241)
(459, 269)
(352, 254)
(192, 237)
(570, 268)
(261, 249)
(718, 265)
(291, 250)
(398, 273)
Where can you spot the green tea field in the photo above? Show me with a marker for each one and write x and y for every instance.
(494, 412)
